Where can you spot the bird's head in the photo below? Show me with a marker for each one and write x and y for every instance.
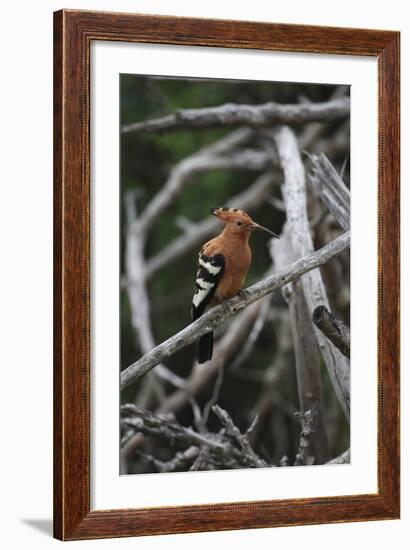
(238, 222)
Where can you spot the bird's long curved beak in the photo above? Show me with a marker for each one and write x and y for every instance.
(261, 228)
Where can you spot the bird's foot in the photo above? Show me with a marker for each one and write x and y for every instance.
(227, 309)
(244, 295)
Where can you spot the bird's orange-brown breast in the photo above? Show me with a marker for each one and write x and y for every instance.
(237, 254)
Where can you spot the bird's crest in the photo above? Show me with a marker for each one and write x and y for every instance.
(227, 214)
(238, 222)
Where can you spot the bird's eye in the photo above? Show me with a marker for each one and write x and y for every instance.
(238, 223)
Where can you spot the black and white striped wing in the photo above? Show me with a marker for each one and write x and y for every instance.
(210, 271)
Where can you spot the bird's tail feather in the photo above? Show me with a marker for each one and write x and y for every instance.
(205, 347)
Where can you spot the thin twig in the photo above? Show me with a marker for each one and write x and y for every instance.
(306, 420)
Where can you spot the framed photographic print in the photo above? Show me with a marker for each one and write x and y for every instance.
(226, 285)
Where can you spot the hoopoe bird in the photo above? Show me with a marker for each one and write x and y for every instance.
(223, 264)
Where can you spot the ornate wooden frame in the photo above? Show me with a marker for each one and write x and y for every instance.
(73, 33)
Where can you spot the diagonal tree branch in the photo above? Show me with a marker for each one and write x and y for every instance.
(233, 114)
(219, 314)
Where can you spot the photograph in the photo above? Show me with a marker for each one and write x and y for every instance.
(234, 275)
(226, 239)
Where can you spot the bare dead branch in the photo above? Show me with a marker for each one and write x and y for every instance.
(219, 314)
(134, 266)
(331, 189)
(294, 191)
(306, 352)
(164, 427)
(232, 114)
(337, 332)
(137, 292)
(228, 448)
